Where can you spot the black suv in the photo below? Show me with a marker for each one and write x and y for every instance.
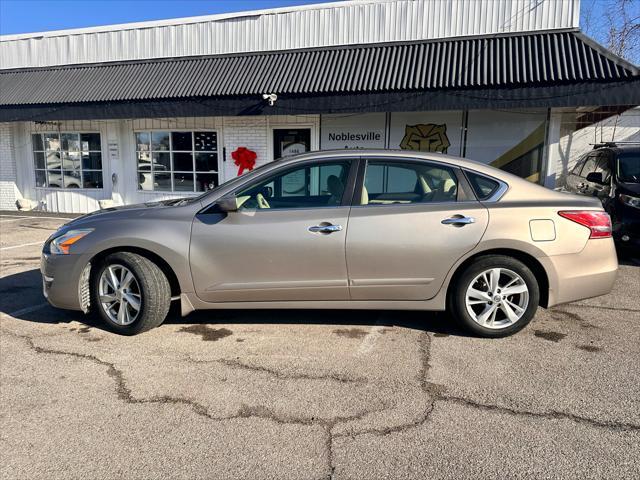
(611, 172)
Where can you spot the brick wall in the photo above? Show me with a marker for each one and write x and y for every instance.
(8, 189)
(249, 132)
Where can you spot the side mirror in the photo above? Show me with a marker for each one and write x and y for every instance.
(595, 177)
(227, 204)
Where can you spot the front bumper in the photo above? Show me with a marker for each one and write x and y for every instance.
(61, 284)
(589, 273)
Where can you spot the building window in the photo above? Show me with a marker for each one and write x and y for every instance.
(67, 159)
(177, 161)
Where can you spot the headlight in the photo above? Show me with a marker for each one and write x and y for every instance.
(60, 245)
(629, 200)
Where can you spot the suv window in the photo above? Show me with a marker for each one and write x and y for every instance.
(396, 183)
(589, 165)
(306, 186)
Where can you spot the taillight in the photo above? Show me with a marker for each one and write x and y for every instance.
(598, 222)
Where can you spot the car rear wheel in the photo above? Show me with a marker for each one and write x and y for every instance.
(495, 296)
(130, 293)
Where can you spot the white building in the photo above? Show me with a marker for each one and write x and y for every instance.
(146, 111)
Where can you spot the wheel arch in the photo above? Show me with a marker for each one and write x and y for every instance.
(530, 261)
(172, 278)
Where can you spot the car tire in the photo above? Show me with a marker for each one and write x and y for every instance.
(475, 296)
(149, 291)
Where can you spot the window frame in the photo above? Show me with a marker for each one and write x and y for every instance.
(464, 194)
(219, 167)
(46, 170)
(347, 195)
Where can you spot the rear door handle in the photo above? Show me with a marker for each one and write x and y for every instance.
(458, 220)
(325, 228)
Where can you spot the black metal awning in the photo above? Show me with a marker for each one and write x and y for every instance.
(518, 71)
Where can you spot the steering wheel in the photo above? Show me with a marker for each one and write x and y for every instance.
(262, 202)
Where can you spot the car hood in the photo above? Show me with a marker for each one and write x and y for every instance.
(127, 211)
(629, 188)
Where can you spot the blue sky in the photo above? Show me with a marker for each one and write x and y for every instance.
(24, 16)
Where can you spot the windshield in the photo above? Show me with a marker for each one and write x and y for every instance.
(629, 167)
(183, 201)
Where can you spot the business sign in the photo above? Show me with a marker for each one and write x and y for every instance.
(426, 131)
(353, 131)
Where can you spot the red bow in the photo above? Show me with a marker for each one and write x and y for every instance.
(244, 159)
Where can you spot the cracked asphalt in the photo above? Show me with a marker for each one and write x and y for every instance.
(312, 395)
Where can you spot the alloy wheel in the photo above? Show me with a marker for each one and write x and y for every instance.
(497, 298)
(119, 294)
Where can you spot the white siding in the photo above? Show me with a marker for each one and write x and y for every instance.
(8, 188)
(343, 23)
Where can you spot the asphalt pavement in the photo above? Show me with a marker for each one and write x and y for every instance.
(312, 394)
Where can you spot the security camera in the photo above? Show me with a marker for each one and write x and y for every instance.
(270, 97)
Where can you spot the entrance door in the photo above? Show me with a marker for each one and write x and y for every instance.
(408, 230)
(286, 242)
(290, 141)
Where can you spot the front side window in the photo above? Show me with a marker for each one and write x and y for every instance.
(177, 161)
(397, 183)
(67, 159)
(307, 186)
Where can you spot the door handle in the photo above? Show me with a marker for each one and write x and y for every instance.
(458, 220)
(325, 228)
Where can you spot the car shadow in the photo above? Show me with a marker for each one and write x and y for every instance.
(21, 298)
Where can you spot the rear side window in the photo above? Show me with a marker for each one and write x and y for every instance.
(482, 186)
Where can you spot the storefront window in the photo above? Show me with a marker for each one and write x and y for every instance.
(177, 161)
(67, 160)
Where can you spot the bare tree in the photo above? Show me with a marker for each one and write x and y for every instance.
(615, 24)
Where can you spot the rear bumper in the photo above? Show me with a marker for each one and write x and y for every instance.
(589, 273)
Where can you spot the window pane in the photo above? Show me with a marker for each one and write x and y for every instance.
(92, 160)
(183, 161)
(54, 178)
(39, 159)
(71, 179)
(161, 161)
(183, 182)
(89, 141)
(159, 140)
(91, 179)
(162, 181)
(206, 162)
(51, 141)
(71, 160)
(70, 142)
(143, 140)
(144, 161)
(206, 181)
(206, 141)
(482, 186)
(145, 181)
(394, 183)
(36, 141)
(53, 160)
(301, 187)
(41, 178)
(181, 141)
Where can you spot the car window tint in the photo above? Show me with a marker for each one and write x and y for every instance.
(579, 164)
(403, 183)
(482, 186)
(603, 165)
(307, 186)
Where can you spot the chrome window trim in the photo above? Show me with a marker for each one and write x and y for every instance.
(495, 196)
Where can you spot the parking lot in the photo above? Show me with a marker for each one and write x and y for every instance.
(309, 395)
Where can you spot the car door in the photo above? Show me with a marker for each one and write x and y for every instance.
(286, 242)
(411, 222)
(602, 165)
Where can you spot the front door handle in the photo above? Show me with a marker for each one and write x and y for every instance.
(458, 220)
(328, 228)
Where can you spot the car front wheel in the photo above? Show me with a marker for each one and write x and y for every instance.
(130, 293)
(495, 296)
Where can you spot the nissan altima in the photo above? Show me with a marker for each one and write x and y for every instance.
(366, 229)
